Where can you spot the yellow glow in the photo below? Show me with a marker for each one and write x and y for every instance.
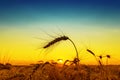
(22, 48)
(60, 61)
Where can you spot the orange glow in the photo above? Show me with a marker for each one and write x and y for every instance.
(60, 61)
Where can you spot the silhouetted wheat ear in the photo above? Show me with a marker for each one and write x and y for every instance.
(58, 39)
(100, 56)
(108, 56)
(90, 52)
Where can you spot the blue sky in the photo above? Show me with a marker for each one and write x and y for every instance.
(89, 11)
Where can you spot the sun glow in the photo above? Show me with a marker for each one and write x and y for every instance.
(60, 61)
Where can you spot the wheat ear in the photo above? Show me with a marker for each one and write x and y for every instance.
(58, 39)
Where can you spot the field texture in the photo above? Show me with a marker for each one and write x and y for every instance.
(50, 71)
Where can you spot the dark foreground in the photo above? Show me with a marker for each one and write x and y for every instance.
(49, 71)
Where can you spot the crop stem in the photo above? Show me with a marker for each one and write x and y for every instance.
(75, 48)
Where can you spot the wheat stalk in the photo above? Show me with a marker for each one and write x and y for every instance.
(58, 39)
(88, 50)
(108, 57)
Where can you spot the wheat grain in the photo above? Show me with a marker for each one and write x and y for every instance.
(108, 56)
(58, 39)
(100, 56)
(90, 52)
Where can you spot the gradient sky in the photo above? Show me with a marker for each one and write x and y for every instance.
(93, 24)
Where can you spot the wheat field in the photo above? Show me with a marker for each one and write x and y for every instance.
(52, 71)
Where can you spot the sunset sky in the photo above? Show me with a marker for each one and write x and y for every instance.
(25, 25)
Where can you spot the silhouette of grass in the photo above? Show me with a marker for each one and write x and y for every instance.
(91, 52)
(58, 39)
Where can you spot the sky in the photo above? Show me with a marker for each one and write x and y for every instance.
(27, 25)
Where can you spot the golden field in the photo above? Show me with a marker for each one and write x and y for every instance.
(55, 71)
